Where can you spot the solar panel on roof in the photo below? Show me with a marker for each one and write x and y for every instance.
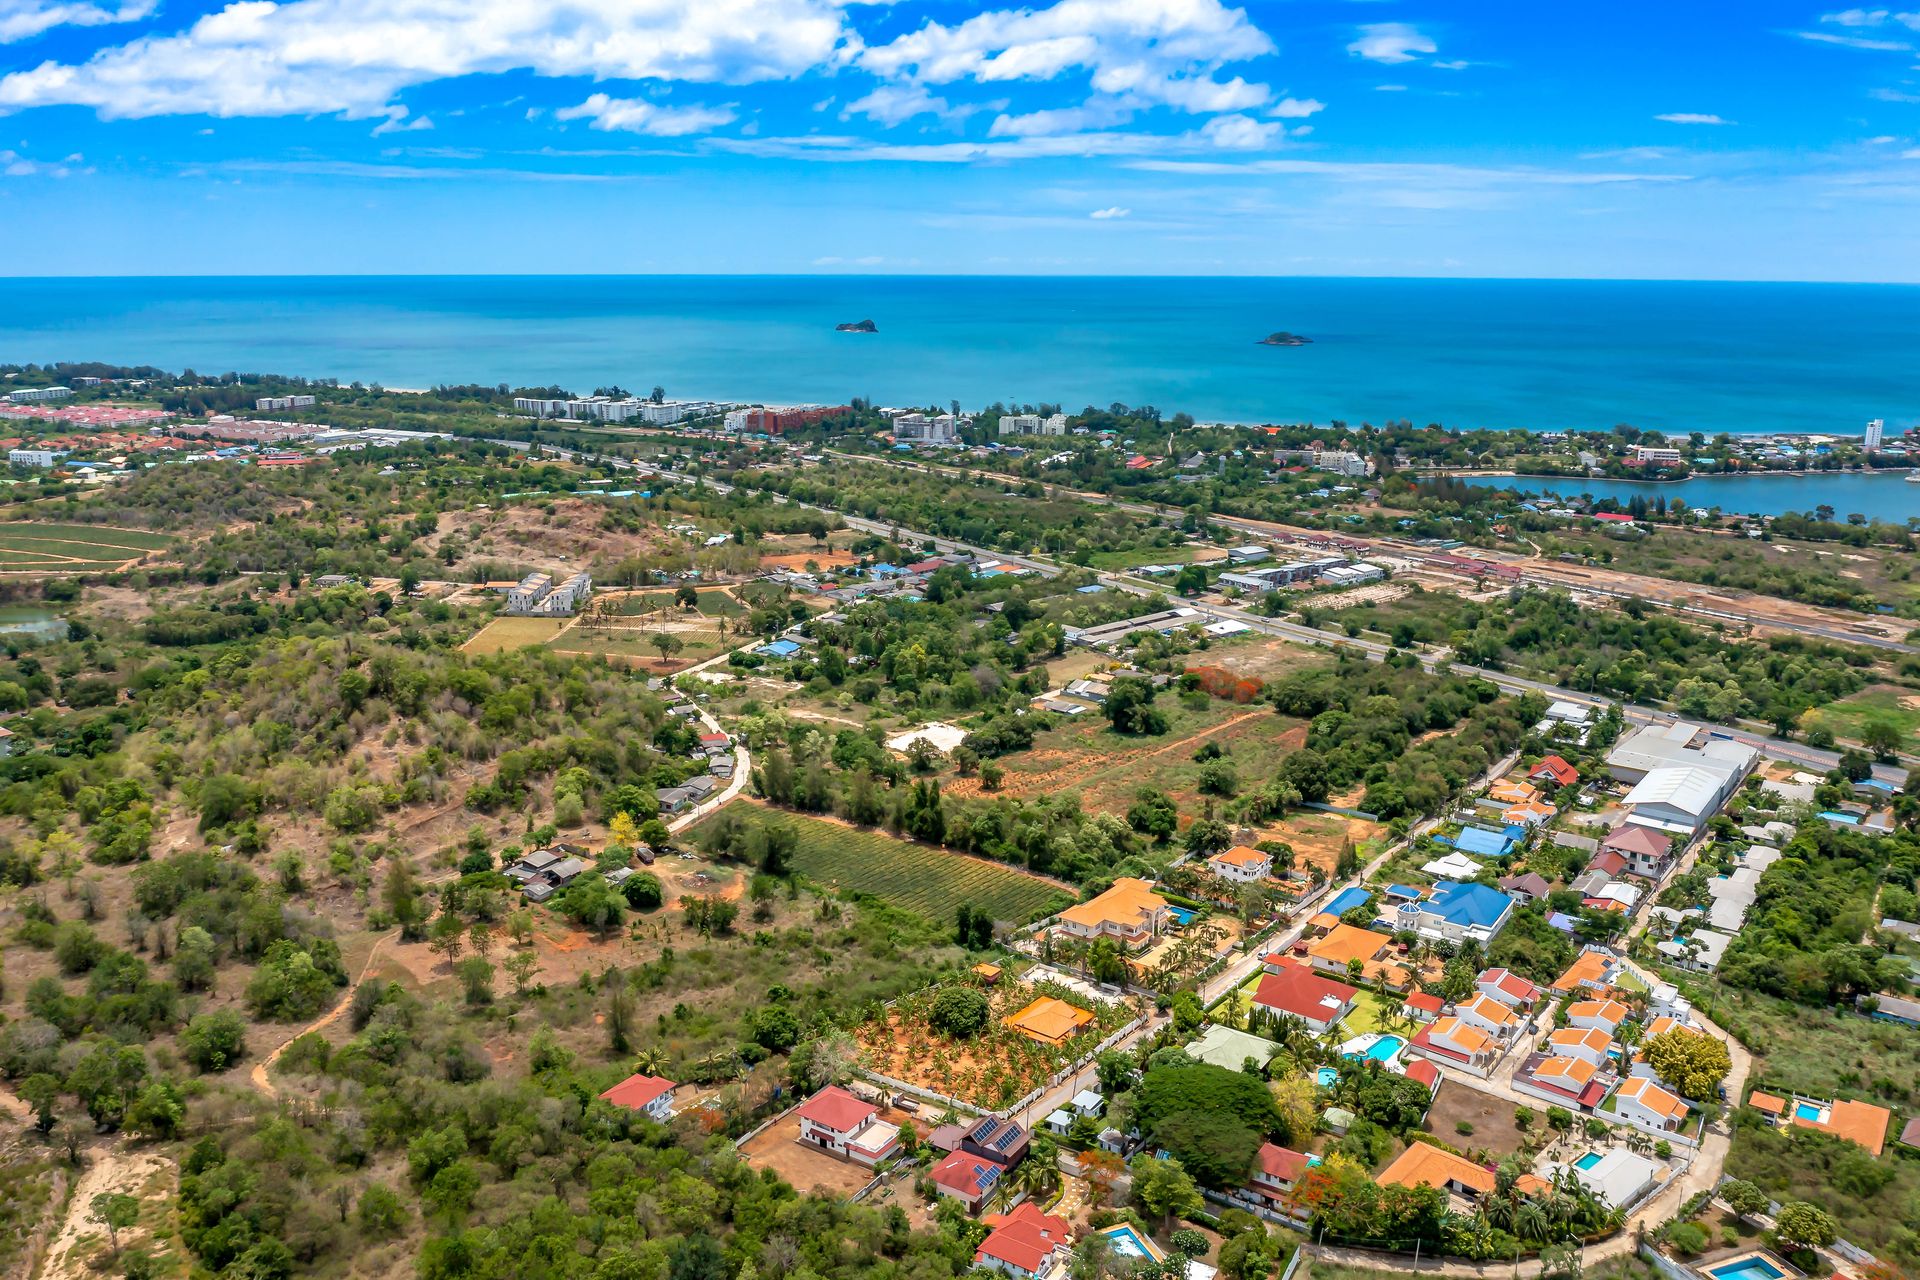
(991, 1176)
(1006, 1140)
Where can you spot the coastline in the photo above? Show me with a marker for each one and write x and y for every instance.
(1476, 474)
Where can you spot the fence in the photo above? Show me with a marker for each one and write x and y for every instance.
(1666, 1266)
(1334, 808)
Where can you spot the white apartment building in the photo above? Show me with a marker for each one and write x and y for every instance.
(35, 457)
(267, 404)
(918, 428)
(1342, 462)
(1876, 429)
(540, 408)
(33, 395)
(1032, 424)
(1657, 455)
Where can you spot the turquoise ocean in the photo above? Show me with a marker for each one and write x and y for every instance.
(1542, 355)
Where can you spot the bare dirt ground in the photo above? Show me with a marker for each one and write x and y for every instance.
(144, 1175)
(1072, 770)
(571, 538)
(808, 1168)
(1317, 837)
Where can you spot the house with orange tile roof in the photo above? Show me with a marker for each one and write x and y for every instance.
(1506, 791)
(1241, 864)
(1490, 1016)
(1586, 1043)
(1453, 1041)
(1767, 1104)
(1860, 1123)
(1345, 943)
(1129, 912)
(1297, 991)
(835, 1121)
(1530, 813)
(649, 1094)
(1508, 988)
(1422, 1007)
(1049, 1020)
(1598, 1015)
(1643, 1103)
(1590, 971)
(1424, 1165)
(1556, 770)
(1571, 1082)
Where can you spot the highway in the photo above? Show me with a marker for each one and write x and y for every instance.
(1780, 749)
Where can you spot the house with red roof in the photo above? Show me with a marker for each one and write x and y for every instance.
(1423, 1072)
(649, 1094)
(1026, 1244)
(1648, 853)
(1276, 1172)
(1508, 988)
(1556, 770)
(1422, 1007)
(842, 1125)
(1297, 990)
(967, 1178)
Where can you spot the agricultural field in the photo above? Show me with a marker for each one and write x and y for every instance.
(714, 602)
(503, 634)
(914, 877)
(1886, 703)
(692, 639)
(31, 547)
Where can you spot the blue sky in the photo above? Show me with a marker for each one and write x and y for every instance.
(1750, 140)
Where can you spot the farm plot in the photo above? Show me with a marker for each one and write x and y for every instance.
(503, 634)
(32, 547)
(914, 877)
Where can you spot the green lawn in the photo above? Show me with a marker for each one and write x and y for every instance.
(1112, 561)
(914, 877)
(30, 546)
(1849, 717)
(1369, 1014)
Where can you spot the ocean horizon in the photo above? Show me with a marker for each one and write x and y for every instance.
(1540, 355)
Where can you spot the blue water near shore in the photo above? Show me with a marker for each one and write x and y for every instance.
(1542, 355)
(1882, 495)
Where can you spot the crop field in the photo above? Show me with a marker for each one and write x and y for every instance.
(503, 634)
(914, 877)
(31, 547)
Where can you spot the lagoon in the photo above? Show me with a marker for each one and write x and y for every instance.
(1882, 496)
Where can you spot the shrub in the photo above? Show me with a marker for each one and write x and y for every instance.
(214, 1041)
(959, 1012)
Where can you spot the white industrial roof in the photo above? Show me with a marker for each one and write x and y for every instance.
(1688, 788)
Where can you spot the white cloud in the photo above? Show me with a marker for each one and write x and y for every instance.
(1389, 88)
(1098, 114)
(1856, 42)
(304, 57)
(1115, 212)
(637, 115)
(1142, 52)
(891, 104)
(1296, 108)
(1871, 18)
(1240, 133)
(1438, 176)
(844, 149)
(397, 122)
(1691, 117)
(15, 165)
(1391, 42)
(24, 19)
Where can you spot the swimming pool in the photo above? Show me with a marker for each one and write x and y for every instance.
(1181, 915)
(1326, 1077)
(1385, 1049)
(1810, 1111)
(1587, 1161)
(1752, 1267)
(1129, 1243)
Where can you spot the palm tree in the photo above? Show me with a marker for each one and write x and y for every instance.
(649, 1062)
(1530, 1221)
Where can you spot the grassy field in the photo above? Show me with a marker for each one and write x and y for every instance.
(713, 603)
(503, 634)
(1119, 560)
(1848, 717)
(32, 547)
(914, 877)
(697, 644)
(1107, 768)
(1820, 1052)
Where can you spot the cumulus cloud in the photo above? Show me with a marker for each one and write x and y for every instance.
(1871, 18)
(24, 19)
(1691, 117)
(305, 57)
(1141, 53)
(1240, 133)
(397, 122)
(637, 115)
(891, 104)
(1391, 42)
(1114, 212)
(1296, 108)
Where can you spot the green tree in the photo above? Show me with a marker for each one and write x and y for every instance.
(1690, 1061)
(1163, 1189)
(1800, 1225)
(214, 1041)
(116, 1212)
(960, 1012)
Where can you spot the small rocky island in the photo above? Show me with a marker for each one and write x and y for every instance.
(1285, 339)
(857, 326)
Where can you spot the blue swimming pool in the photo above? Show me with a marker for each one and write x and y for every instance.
(1812, 1111)
(1326, 1077)
(1129, 1243)
(1385, 1048)
(1182, 915)
(1587, 1161)
(1753, 1268)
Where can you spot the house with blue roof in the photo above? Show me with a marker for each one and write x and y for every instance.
(1481, 843)
(1457, 912)
(1346, 900)
(778, 649)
